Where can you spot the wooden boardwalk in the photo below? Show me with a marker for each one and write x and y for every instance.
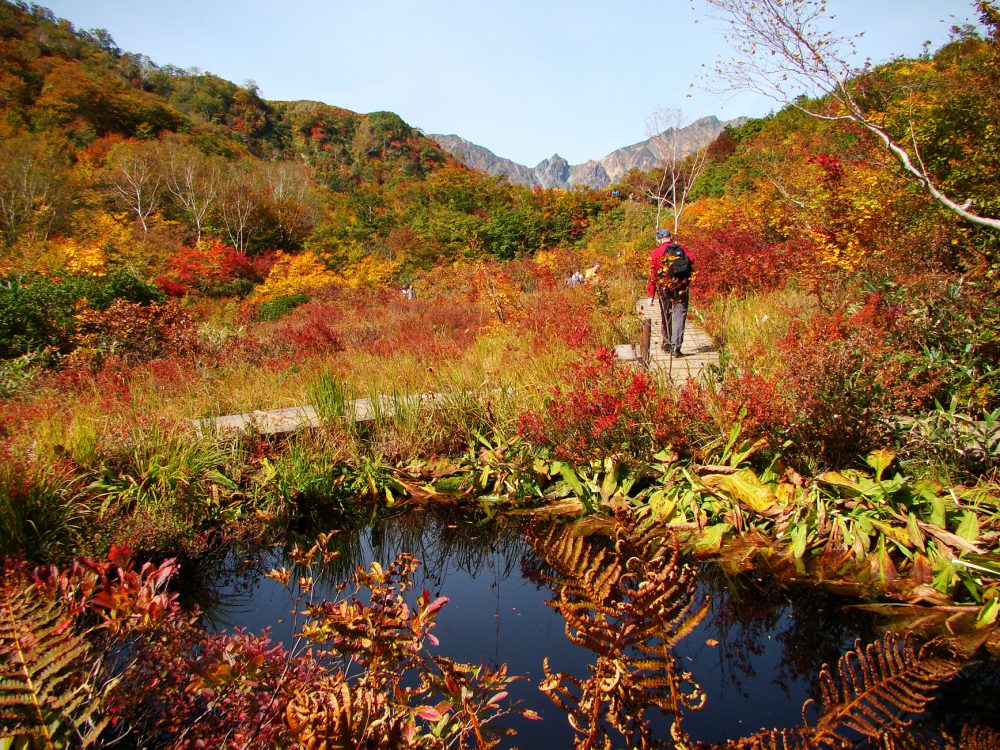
(278, 421)
(698, 348)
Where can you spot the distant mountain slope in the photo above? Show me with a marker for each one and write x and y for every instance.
(596, 173)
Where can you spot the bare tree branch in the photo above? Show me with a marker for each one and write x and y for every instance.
(783, 52)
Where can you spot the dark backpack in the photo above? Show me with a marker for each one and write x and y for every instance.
(674, 272)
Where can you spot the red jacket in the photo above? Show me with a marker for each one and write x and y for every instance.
(655, 260)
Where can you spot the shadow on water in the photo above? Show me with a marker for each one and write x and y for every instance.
(756, 654)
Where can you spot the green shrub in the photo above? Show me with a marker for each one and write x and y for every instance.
(279, 307)
(38, 311)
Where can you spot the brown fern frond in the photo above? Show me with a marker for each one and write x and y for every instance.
(784, 739)
(585, 571)
(327, 717)
(971, 738)
(910, 740)
(47, 695)
(879, 684)
(979, 738)
(629, 607)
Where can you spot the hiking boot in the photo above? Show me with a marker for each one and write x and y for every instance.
(678, 354)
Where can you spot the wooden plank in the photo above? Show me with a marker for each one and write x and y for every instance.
(699, 349)
(290, 419)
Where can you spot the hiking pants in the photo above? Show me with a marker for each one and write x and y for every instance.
(673, 313)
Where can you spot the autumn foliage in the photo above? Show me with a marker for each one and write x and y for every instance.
(599, 413)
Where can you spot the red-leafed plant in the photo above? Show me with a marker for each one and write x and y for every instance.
(738, 259)
(604, 410)
(133, 333)
(215, 268)
(847, 375)
(372, 684)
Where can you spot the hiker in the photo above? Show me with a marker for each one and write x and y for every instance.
(590, 275)
(670, 266)
(408, 293)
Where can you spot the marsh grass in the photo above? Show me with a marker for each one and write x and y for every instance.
(749, 328)
(43, 511)
(329, 396)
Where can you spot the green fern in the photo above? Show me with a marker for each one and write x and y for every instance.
(46, 694)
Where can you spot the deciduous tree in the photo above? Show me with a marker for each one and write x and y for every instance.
(192, 179)
(33, 188)
(677, 168)
(135, 175)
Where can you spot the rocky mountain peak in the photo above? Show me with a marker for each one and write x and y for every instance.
(595, 173)
(552, 172)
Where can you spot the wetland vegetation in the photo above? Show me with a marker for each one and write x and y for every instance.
(833, 478)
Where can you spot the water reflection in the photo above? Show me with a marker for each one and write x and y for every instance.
(756, 654)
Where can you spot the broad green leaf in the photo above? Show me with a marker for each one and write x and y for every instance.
(884, 566)
(218, 477)
(570, 477)
(885, 488)
(880, 460)
(988, 613)
(848, 487)
(711, 537)
(799, 539)
(610, 484)
(664, 509)
(859, 543)
(937, 514)
(943, 578)
(895, 533)
(914, 533)
(969, 527)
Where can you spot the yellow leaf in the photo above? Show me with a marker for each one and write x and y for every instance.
(745, 487)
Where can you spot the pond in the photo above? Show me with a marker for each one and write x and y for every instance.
(756, 654)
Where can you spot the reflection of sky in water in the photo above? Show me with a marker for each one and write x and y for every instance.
(757, 675)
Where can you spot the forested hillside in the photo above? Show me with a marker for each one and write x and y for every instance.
(110, 160)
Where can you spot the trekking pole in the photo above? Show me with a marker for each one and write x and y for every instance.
(670, 348)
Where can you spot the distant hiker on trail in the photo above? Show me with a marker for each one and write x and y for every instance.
(590, 275)
(408, 292)
(670, 267)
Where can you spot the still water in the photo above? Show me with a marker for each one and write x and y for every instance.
(756, 654)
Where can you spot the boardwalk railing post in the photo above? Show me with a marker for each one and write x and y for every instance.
(647, 332)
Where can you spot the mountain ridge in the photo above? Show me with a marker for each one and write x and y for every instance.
(594, 173)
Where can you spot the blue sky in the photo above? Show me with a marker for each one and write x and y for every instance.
(524, 78)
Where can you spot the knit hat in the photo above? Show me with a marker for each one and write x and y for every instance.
(663, 234)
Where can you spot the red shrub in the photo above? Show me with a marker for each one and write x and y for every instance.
(759, 405)
(210, 265)
(847, 376)
(169, 287)
(312, 335)
(431, 328)
(605, 411)
(736, 259)
(134, 333)
(209, 690)
(559, 316)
